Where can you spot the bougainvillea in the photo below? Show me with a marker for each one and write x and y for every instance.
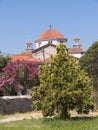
(19, 75)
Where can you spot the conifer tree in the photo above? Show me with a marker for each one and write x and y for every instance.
(63, 86)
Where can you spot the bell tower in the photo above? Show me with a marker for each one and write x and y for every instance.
(76, 42)
(29, 46)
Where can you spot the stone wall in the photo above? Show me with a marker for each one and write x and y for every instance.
(13, 104)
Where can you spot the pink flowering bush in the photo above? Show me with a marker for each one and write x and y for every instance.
(19, 76)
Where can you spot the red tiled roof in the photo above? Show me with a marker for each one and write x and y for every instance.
(25, 58)
(76, 50)
(76, 38)
(47, 59)
(27, 53)
(50, 34)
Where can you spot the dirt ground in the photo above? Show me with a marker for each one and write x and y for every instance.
(20, 116)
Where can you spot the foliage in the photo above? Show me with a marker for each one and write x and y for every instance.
(89, 62)
(19, 75)
(63, 86)
(90, 123)
(3, 62)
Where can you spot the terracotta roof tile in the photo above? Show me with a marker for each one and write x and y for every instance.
(25, 58)
(77, 38)
(76, 50)
(50, 34)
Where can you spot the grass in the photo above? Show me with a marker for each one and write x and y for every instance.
(82, 123)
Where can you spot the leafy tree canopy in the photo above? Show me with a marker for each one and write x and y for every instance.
(3, 61)
(89, 62)
(63, 86)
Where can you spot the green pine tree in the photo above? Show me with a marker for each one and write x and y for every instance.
(63, 86)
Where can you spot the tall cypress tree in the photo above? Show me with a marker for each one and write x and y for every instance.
(63, 86)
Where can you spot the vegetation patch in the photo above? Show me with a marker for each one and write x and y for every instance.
(75, 123)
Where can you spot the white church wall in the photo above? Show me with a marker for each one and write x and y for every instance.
(42, 43)
(78, 55)
(45, 53)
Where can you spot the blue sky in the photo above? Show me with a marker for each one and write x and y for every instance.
(24, 20)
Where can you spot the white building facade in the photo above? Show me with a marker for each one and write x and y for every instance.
(46, 44)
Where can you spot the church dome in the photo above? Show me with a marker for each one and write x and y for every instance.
(50, 34)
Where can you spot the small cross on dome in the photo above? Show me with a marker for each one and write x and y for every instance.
(50, 26)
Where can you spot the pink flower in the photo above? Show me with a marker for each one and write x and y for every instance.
(19, 74)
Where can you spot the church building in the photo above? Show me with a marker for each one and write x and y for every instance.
(46, 45)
